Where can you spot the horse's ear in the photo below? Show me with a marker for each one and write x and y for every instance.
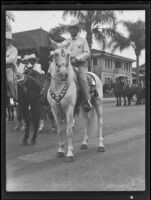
(54, 44)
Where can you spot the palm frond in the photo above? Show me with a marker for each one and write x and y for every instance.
(80, 15)
(103, 17)
(118, 40)
(100, 37)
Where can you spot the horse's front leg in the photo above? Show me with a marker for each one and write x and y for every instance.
(26, 136)
(120, 100)
(36, 124)
(69, 131)
(26, 117)
(117, 100)
(12, 114)
(35, 115)
(58, 119)
(124, 97)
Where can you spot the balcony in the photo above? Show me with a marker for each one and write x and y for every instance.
(121, 71)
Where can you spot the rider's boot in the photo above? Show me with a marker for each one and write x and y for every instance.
(87, 106)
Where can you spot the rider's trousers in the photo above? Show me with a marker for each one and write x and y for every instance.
(83, 83)
(10, 75)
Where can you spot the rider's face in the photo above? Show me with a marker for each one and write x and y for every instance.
(32, 61)
(73, 31)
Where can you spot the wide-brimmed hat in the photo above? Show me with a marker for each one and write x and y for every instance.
(33, 56)
(26, 57)
(74, 23)
(19, 58)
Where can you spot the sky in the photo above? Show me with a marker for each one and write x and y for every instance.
(28, 20)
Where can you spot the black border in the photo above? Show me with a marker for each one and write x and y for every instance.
(54, 5)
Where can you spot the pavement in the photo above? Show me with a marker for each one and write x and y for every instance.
(120, 168)
(109, 100)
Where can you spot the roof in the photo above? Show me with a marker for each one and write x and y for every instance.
(96, 52)
(141, 68)
(34, 39)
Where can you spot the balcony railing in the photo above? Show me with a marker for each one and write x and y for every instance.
(121, 71)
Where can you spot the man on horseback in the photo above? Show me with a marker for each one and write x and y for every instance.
(11, 70)
(80, 52)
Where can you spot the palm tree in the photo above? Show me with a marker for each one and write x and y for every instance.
(90, 22)
(135, 39)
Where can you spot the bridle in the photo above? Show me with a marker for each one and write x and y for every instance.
(58, 67)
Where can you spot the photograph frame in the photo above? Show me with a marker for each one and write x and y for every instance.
(145, 195)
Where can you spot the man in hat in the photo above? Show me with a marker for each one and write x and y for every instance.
(11, 70)
(80, 52)
(20, 65)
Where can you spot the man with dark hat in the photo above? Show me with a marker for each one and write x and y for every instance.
(80, 52)
(11, 70)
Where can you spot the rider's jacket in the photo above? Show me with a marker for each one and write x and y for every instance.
(78, 47)
(11, 56)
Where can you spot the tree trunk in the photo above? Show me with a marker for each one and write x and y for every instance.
(137, 69)
(89, 40)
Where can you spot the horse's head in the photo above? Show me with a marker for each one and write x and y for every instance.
(61, 60)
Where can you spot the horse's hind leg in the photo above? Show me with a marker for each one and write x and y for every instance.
(85, 139)
(100, 125)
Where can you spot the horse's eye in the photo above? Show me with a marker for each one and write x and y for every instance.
(56, 54)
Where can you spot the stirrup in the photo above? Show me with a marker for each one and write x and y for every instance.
(12, 103)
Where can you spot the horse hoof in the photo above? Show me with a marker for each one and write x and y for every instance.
(60, 154)
(17, 128)
(53, 130)
(24, 142)
(40, 131)
(101, 149)
(23, 129)
(84, 146)
(32, 142)
(68, 158)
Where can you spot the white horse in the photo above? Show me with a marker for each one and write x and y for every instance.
(62, 96)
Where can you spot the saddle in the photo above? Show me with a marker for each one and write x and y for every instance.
(92, 89)
(90, 81)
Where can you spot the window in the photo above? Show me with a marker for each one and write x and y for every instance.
(108, 79)
(118, 64)
(108, 63)
(95, 61)
(127, 67)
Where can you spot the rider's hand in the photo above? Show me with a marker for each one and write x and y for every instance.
(74, 60)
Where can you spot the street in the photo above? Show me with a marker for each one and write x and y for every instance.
(120, 168)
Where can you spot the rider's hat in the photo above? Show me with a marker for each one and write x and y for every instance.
(26, 57)
(9, 36)
(19, 58)
(74, 23)
(33, 56)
